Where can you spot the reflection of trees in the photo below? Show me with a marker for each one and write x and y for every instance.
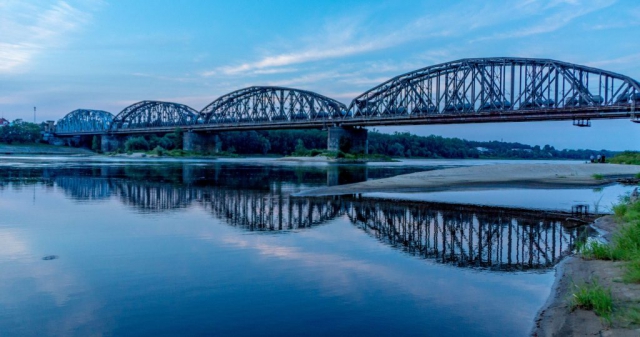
(465, 236)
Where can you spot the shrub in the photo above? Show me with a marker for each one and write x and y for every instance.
(159, 151)
(627, 157)
(315, 152)
(136, 144)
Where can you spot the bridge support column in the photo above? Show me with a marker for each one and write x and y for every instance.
(348, 140)
(200, 142)
(110, 143)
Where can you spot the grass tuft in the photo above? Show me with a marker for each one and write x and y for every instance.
(595, 250)
(598, 176)
(593, 297)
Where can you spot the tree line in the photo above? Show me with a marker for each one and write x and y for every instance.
(404, 145)
(20, 132)
(288, 142)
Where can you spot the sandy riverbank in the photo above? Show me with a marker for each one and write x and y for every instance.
(43, 149)
(557, 318)
(486, 176)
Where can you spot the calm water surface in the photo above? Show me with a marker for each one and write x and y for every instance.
(222, 248)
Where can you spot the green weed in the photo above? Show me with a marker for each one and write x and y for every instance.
(593, 297)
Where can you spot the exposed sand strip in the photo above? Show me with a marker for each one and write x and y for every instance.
(512, 175)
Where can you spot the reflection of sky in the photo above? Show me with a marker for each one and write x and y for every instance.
(120, 272)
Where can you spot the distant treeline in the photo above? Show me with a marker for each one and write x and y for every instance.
(20, 132)
(288, 142)
(284, 142)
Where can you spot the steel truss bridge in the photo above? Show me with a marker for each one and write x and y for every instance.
(479, 90)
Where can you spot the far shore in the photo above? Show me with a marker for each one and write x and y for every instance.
(489, 176)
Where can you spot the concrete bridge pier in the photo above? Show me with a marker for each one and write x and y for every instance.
(348, 139)
(200, 142)
(109, 143)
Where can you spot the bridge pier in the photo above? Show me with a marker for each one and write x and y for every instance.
(109, 143)
(200, 142)
(348, 139)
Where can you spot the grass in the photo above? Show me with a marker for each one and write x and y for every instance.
(594, 297)
(627, 157)
(624, 246)
(598, 176)
(595, 250)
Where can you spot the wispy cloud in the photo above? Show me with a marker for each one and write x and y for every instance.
(624, 60)
(29, 29)
(338, 39)
(564, 12)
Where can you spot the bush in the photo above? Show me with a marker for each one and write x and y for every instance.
(315, 152)
(136, 144)
(627, 157)
(159, 151)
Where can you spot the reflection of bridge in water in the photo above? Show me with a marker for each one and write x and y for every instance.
(465, 236)
(499, 239)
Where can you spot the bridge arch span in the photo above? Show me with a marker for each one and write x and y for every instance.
(264, 104)
(496, 85)
(84, 121)
(150, 114)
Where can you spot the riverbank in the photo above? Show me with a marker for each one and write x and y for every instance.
(43, 149)
(325, 159)
(489, 176)
(558, 318)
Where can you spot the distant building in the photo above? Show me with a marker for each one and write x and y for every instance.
(3, 122)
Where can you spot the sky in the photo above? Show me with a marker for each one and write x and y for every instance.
(59, 56)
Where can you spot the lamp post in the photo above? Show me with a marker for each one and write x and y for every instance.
(34, 115)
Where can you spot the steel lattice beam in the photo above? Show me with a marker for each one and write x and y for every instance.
(497, 85)
(271, 104)
(84, 120)
(154, 114)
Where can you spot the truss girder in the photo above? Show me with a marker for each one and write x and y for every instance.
(493, 85)
(149, 114)
(84, 120)
(271, 104)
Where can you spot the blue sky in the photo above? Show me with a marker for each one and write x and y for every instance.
(64, 55)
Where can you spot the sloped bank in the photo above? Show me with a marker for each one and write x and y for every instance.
(558, 318)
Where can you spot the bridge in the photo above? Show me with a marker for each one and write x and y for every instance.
(479, 90)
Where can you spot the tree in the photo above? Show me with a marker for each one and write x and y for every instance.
(20, 132)
(95, 144)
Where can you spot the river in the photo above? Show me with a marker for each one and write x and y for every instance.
(128, 247)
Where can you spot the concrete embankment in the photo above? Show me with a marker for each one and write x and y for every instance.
(488, 176)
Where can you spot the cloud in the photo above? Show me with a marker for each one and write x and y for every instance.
(627, 60)
(342, 38)
(559, 18)
(30, 29)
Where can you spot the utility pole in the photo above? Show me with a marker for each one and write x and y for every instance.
(34, 115)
